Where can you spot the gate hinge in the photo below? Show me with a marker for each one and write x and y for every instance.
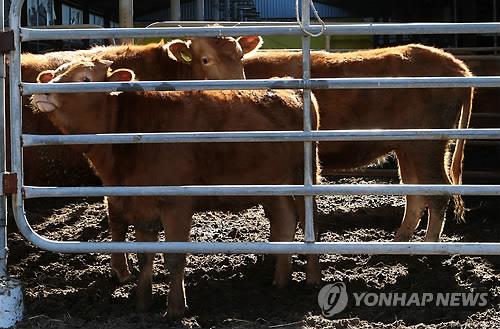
(9, 183)
(7, 41)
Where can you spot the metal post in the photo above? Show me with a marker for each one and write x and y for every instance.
(306, 68)
(328, 39)
(126, 13)
(495, 42)
(216, 10)
(227, 11)
(11, 295)
(3, 198)
(455, 18)
(200, 10)
(175, 10)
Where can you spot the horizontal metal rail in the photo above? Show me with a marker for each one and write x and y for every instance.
(184, 24)
(31, 192)
(335, 83)
(369, 248)
(29, 34)
(262, 136)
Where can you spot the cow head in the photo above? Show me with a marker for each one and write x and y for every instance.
(79, 112)
(214, 58)
(82, 71)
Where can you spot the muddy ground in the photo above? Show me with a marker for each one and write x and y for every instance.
(77, 291)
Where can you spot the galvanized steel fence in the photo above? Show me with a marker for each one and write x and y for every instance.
(20, 140)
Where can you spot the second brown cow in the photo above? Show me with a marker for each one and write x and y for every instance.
(420, 162)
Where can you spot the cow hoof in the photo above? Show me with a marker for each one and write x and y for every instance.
(401, 238)
(313, 280)
(281, 282)
(122, 276)
(175, 313)
(142, 307)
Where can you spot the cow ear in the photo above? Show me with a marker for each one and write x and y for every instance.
(45, 76)
(123, 75)
(250, 44)
(179, 51)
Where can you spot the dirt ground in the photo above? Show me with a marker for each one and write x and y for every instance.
(77, 291)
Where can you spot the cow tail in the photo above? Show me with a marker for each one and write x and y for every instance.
(458, 155)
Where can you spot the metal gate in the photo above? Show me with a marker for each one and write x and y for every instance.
(20, 140)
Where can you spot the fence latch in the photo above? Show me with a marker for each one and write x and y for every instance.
(7, 41)
(9, 183)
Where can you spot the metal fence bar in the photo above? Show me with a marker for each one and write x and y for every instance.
(3, 198)
(30, 192)
(309, 235)
(29, 34)
(15, 118)
(263, 136)
(322, 83)
(370, 248)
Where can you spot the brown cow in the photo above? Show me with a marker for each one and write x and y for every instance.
(184, 164)
(212, 58)
(204, 58)
(420, 162)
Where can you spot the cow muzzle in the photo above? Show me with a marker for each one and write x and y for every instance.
(44, 103)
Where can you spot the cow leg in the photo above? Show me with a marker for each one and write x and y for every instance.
(430, 170)
(177, 225)
(145, 280)
(118, 228)
(283, 221)
(313, 269)
(119, 263)
(437, 217)
(415, 204)
(437, 174)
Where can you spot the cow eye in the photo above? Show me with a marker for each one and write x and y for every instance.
(86, 79)
(204, 60)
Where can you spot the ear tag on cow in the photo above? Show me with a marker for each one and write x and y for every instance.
(186, 57)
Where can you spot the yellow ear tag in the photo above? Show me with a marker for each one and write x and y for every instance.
(186, 57)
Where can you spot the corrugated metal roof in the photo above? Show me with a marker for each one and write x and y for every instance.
(275, 9)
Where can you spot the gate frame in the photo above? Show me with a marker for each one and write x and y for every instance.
(18, 140)
(308, 190)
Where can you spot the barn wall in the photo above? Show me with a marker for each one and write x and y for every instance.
(285, 9)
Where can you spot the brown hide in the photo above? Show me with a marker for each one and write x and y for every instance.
(419, 162)
(370, 109)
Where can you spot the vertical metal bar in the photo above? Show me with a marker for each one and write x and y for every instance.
(227, 14)
(200, 10)
(495, 42)
(11, 296)
(15, 108)
(175, 10)
(3, 198)
(306, 75)
(126, 17)
(215, 10)
(455, 18)
(328, 40)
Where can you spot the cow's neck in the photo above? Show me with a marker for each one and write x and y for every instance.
(89, 115)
